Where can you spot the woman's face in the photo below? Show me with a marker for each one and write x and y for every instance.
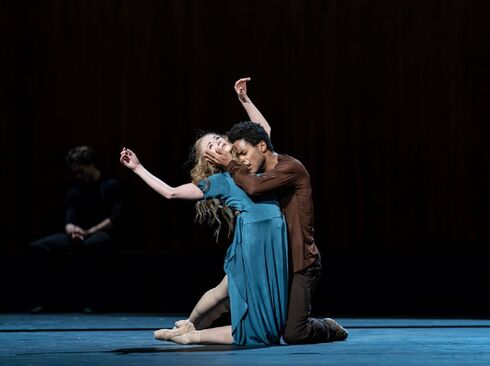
(211, 142)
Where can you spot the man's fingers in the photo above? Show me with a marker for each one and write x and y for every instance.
(208, 157)
(211, 153)
(242, 81)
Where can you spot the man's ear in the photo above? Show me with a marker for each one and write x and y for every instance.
(262, 146)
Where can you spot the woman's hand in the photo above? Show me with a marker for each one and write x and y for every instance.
(241, 90)
(187, 191)
(129, 159)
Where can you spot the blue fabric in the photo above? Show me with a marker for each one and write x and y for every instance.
(256, 263)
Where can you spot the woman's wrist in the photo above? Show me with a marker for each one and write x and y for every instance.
(139, 169)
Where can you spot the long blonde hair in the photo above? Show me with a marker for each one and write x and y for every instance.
(211, 211)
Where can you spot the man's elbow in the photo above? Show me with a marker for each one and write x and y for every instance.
(252, 190)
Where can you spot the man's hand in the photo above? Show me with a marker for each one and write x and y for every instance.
(241, 90)
(76, 232)
(220, 157)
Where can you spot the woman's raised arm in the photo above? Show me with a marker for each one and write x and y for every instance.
(187, 191)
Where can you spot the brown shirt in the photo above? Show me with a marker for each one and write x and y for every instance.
(291, 183)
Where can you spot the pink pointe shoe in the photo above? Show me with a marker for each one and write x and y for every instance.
(181, 327)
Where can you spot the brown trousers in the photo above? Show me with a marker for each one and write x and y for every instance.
(300, 327)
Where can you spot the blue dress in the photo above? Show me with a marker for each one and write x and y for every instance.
(256, 263)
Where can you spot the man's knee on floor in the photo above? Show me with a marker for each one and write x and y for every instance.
(293, 336)
(311, 331)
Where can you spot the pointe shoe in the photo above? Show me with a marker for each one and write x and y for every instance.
(191, 337)
(185, 325)
(181, 327)
(166, 334)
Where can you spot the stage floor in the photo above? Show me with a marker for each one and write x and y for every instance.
(127, 339)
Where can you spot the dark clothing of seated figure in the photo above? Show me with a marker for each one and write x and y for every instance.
(93, 212)
(87, 205)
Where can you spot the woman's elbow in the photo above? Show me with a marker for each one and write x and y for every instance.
(170, 195)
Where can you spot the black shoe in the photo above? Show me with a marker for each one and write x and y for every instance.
(339, 332)
(37, 310)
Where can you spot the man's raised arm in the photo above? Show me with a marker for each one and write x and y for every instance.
(253, 113)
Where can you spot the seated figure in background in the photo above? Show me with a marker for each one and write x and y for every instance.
(93, 209)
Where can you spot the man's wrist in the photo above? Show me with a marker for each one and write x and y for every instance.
(230, 165)
(244, 99)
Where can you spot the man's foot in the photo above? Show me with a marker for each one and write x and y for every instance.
(181, 327)
(339, 333)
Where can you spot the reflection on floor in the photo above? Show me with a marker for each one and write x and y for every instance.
(127, 339)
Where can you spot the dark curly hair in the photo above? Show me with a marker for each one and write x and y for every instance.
(83, 155)
(251, 132)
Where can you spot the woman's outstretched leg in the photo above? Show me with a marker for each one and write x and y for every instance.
(219, 335)
(202, 315)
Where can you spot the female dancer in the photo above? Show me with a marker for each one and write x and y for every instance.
(256, 263)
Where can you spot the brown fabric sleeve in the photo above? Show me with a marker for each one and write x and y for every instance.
(283, 175)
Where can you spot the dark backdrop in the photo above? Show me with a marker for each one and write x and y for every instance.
(385, 102)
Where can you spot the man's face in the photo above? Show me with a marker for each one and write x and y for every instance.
(82, 172)
(253, 157)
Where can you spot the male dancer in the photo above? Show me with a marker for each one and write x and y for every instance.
(288, 178)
